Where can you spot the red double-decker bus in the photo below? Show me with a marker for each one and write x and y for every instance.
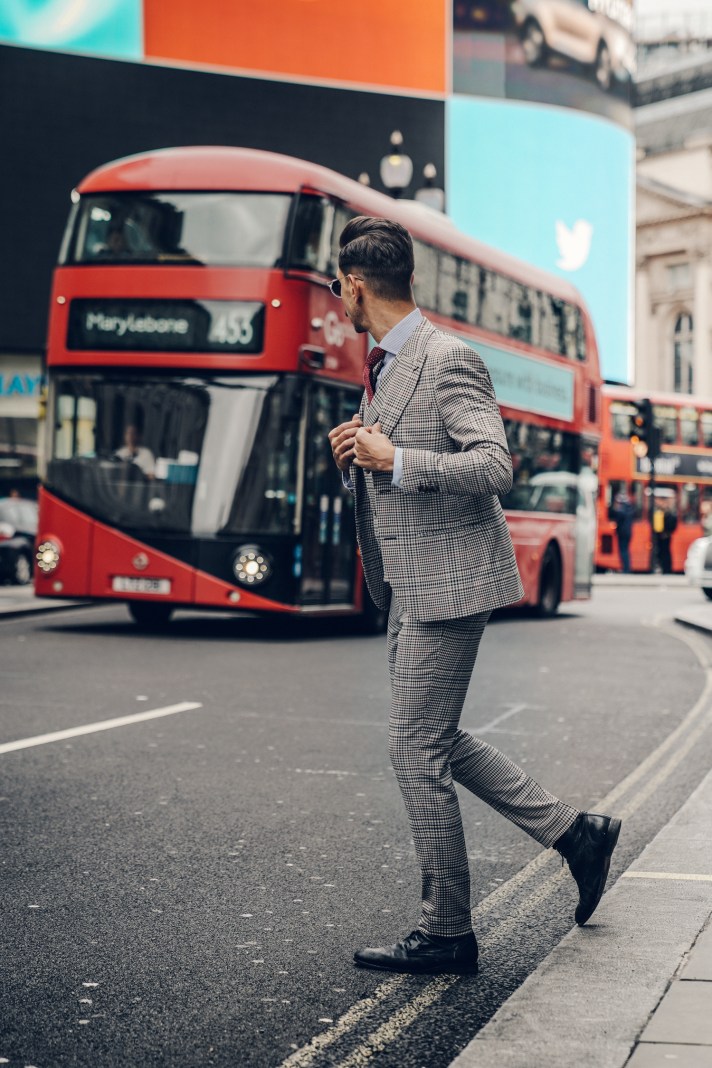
(197, 360)
(683, 473)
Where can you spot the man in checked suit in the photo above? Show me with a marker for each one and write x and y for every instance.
(427, 460)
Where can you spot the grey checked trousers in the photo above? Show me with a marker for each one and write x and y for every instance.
(430, 666)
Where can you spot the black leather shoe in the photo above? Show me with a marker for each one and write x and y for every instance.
(423, 954)
(587, 847)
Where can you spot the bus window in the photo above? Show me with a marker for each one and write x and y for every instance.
(689, 503)
(688, 426)
(666, 419)
(520, 313)
(187, 455)
(451, 301)
(640, 501)
(621, 414)
(219, 229)
(426, 275)
(310, 245)
(706, 424)
(545, 464)
(341, 215)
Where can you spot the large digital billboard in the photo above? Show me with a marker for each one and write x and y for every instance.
(385, 44)
(97, 27)
(554, 188)
(571, 53)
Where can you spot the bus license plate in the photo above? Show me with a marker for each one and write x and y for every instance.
(131, 584)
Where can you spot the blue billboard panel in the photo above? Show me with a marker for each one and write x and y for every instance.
(111, 28)
(553, 187)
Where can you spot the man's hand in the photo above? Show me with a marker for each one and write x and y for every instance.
(373, 450)
(343, 440)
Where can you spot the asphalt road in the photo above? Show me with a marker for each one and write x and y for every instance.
(188, 890)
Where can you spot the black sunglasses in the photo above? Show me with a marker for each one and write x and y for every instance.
(335, 286)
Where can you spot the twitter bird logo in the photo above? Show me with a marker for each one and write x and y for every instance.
(574, 245)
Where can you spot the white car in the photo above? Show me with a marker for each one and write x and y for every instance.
(597, 33)
(698, 565)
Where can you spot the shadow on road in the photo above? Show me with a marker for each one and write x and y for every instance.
(247, 627)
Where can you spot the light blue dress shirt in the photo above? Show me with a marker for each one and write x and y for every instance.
(392, 343)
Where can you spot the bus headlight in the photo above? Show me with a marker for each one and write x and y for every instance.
(252, 566)
(48, 556)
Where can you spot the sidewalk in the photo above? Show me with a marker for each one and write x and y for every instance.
(18, 600)
(617, 578)
(699, 616)
(635, 986)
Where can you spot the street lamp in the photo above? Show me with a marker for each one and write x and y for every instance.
(396, 167)
(431, 194)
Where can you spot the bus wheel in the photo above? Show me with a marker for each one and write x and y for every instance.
(549, 584)
(150, 616)
(707, 590)
(373, 620)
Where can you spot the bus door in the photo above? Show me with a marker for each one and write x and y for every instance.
(585, 533)
(328, 533)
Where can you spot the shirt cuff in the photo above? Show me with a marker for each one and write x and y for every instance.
(397, 467)
(345, 478)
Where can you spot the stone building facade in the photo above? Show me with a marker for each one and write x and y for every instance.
(673, 298)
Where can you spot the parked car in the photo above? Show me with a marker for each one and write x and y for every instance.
(18, 527)
(698, 565)
(597, 33)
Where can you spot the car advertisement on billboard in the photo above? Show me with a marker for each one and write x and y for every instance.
(553, 187)
(571, 53)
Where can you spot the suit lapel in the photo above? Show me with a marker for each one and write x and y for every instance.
(401, 379)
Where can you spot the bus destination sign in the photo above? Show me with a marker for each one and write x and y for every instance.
(166, 326)
(673, 466)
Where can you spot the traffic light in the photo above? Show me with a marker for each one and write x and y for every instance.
(644, 434)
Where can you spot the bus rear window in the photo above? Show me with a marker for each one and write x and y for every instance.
(211, 228)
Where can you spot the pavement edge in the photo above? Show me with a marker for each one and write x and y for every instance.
(589, 1001)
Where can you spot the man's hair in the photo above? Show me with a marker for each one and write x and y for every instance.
(381, 251)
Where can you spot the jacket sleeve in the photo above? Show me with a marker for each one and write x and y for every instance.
(466, 401)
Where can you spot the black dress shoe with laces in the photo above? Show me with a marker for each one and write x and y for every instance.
(423, 954)
(587, 847)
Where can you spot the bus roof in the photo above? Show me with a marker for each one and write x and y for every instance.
(203, 167)
(657, 396)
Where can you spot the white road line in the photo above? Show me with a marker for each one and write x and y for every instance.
(103, 725)
(684, 876)
(511, 711)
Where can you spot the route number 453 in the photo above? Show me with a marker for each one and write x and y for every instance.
(230, 328)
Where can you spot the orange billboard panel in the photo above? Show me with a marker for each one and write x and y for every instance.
(394, 44)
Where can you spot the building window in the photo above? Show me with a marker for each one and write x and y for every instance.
(682, 350)
(678, 277)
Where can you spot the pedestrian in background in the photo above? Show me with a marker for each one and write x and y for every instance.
(706, 517)
(664, 526)
(622, 512)
(427, 459)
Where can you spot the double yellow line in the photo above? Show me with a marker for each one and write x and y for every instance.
(655, 769)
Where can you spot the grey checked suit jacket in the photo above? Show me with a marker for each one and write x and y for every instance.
(439, 540)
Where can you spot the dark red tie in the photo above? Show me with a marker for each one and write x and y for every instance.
(369, 379)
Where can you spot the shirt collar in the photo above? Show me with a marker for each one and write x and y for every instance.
(397, 336)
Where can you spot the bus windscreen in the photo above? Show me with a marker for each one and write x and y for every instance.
(207, 228)
(198, 455)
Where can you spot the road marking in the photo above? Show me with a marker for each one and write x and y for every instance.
(391, 1029)
(684, 876)
(103, 725)
(512, 711)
